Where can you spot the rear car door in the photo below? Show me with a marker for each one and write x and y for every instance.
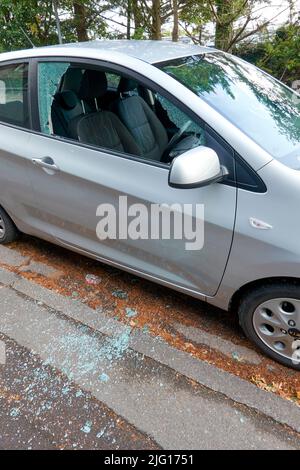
(16, 195)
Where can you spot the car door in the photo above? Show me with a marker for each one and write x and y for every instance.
(16, 195)
(71, 181)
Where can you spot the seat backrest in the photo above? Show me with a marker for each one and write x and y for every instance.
(146, 129)
(104, 129)
(93, 86)
(73, 99)
(66, 105)
(101, 128)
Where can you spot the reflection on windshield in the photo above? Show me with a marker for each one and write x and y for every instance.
(259, 105)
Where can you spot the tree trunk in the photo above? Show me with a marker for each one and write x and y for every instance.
(58, 27)
(224, 28)
(292, 11)
(138, 19)
(175, 32)
(129, 11)
(80, 21)
(200, 34)
(156, 20)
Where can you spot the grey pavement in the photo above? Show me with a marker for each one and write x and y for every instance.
(41, 409)
(229, 349)
(143, 381)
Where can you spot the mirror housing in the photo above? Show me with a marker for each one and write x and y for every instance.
(196, 168)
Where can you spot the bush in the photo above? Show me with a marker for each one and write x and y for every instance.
(279, 56)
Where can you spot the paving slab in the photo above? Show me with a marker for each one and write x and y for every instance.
(12, 257)
(73, 308)
(42, 269)
(7, 278)
(229, 349)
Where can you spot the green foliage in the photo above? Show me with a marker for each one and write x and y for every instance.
(23, 22)
(279, 56)
(19, 18)
(282, 54)
(195, 14)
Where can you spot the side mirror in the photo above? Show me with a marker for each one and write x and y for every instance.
(195, 168)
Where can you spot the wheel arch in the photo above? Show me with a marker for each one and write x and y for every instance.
(250, 286)
(8, 213)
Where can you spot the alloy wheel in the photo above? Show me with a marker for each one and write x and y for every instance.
(277, 324)
(2, 228)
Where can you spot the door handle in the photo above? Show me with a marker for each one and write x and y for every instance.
(46, 162)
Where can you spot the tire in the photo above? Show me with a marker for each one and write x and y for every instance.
(270, 317)
(8, 230)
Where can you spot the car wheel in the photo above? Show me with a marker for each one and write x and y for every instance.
(8, 230)
(270, 317)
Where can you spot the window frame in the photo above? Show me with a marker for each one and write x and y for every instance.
(147, 83)
(113, 68)
(28, 101)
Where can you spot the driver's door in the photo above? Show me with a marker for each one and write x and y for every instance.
(87, 177)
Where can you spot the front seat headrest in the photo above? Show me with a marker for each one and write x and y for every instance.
(126, 85)
(67, 99)
(72, 79)
(93, 85)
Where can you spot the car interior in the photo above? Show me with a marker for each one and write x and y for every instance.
(119, 114)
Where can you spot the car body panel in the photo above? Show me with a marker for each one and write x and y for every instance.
(146, 51)
(15, 182)
(68, 201)
(265, 253)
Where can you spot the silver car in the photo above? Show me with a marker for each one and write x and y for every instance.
(84, 125)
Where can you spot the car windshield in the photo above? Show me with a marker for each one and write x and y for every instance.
(259, 105)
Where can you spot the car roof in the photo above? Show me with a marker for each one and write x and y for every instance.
(147, 51)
